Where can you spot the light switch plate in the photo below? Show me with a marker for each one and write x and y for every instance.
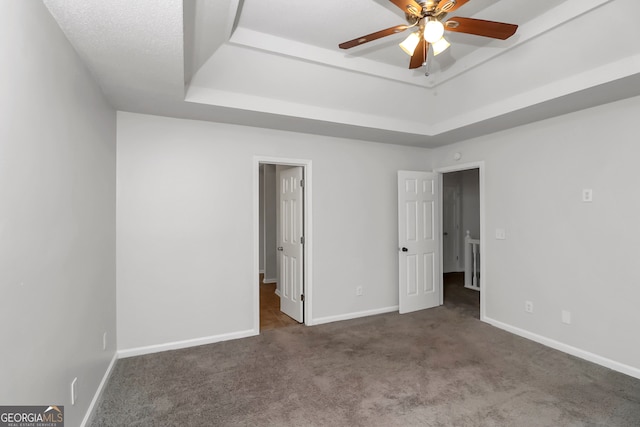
(501, 234)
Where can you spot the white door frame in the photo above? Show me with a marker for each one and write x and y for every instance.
(308, 245)
(483, 234)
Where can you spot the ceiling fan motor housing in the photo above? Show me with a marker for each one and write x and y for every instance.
(429, 8)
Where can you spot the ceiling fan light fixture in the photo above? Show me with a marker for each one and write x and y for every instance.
(433, 30)
(410, 43)
(440, 46)
(426, 18)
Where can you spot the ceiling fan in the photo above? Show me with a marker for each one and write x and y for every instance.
(427, 16)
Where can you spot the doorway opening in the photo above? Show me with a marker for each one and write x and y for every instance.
(462, 246)
(282, 242)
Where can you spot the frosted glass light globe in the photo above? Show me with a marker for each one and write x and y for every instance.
(433, 30)
(410, 43)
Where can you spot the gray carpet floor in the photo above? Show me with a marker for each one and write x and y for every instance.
(438, 367)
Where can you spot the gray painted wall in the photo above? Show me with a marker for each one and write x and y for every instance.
(470, 186)
(57, 217)
(183, 202)
(561, 253)
(271, 256)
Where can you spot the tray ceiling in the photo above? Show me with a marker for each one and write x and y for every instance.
(276, 64)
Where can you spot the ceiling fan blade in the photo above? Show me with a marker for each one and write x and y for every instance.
(447, 6)
(373, 36)
(409, 6)
(419, 55)
(480, 27)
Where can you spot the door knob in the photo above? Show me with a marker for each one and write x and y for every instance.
(405, 250)
(280, 248)
(445, 233)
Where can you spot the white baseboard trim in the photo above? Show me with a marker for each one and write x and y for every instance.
(139, 351)
(277, 292)
(261, 271)
(348, 316)
(96, 397)
(266, 281)
(574, 351)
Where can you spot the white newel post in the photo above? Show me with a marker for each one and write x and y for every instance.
(471, 262)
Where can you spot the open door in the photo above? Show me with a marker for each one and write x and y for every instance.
(418, 240)
(290, 240)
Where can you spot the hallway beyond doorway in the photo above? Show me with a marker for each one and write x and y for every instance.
(458, 297)
(270, 315)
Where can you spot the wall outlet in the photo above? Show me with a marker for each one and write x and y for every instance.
(566, 317)
(359, 291)
(104, 341)
(501, 234)
(74, 391)
(528, 306)
(587, 195)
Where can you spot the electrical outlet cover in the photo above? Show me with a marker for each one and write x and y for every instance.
(528, 306)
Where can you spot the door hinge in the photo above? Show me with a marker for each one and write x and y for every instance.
(302, 183)
(302, 240)
(302, 297)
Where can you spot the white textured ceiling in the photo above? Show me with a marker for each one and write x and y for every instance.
(276, 64)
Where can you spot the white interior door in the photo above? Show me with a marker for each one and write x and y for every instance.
(419, 239)
(290, 240)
